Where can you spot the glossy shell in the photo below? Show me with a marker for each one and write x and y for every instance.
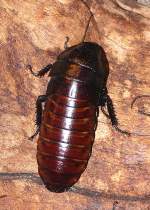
(70, 115)
(66, 135)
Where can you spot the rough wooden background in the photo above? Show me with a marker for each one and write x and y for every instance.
(33, 32)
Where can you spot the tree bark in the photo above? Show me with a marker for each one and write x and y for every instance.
(33, 32)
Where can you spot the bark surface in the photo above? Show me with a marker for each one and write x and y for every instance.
(33, 32)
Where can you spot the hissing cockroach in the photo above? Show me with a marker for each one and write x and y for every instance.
(68, 122)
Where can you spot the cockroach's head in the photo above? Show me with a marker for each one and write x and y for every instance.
(86, 59)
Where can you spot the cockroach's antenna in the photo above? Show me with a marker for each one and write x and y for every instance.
(88, 23)
(86, 29)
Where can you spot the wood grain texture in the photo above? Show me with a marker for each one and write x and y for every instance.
(33, 32)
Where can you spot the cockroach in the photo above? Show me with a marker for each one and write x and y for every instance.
(68, 121)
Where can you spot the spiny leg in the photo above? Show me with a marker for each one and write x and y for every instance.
(105, 100)
(102, 101)
(41, 72)
(104, 112)
(112, 115)
(41, 99)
